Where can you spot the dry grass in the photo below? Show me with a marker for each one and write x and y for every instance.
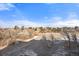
(10, 36)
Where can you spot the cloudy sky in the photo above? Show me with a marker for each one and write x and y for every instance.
(39, 14)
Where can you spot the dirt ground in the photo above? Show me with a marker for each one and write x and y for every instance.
(40, 46)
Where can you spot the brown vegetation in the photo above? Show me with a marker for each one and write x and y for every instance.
(10, 35)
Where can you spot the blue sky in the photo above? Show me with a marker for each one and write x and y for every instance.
(39, 14)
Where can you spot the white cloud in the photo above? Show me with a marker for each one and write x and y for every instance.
(55, 19)
(5, 6)
(19, 23)
(24, 22)
(70, 21)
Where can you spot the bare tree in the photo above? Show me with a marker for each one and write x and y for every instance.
(68, 37)
(74, 37)
(22, 28)
(16, 27)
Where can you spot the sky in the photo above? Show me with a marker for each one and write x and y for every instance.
(39, 14)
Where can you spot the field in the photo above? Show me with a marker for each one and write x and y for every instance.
(39, 41)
